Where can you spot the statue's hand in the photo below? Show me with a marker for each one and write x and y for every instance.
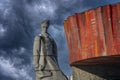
(36, 68)
(41, 67)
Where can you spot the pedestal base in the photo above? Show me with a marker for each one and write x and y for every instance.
(96, 72)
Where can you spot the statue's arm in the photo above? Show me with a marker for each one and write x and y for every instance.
(36, 51)
(55, 50)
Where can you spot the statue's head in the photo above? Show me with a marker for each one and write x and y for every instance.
(45, 24)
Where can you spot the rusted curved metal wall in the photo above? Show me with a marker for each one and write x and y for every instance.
(94, 36)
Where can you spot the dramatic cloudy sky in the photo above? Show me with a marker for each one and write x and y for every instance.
(20, 22)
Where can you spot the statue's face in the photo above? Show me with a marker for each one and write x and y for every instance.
(44, 27)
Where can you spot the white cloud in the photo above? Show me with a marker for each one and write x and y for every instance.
(8, 69)
(5, 7)
(21, 50)
(43, 9)
(2, 30)
(45, 6)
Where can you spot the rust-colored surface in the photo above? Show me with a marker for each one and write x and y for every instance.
(94, 36)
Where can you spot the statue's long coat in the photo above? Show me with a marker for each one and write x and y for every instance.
(45, 59)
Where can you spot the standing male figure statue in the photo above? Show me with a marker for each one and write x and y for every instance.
(45, 56)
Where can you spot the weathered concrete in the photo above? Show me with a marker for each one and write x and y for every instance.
(96, 72)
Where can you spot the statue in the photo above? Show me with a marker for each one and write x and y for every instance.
(45, 56)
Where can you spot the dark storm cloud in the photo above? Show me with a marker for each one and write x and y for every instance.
(16, 22)
(20, 22)
(16, 34)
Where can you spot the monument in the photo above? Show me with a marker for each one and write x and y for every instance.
(45, 56)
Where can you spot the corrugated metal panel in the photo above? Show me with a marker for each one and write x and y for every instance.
(70, 41)
(81, 26)
(94, 34)
(81, 29)
(101, 36)
(75, 37)
(91, 29)
(76, 31)
(107, 23)
(116, 26)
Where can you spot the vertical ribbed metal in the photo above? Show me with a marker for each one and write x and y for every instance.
(94, 33)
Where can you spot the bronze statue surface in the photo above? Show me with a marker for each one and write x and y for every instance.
(45, 56)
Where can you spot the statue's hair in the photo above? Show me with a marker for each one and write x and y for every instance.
(46, 22)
